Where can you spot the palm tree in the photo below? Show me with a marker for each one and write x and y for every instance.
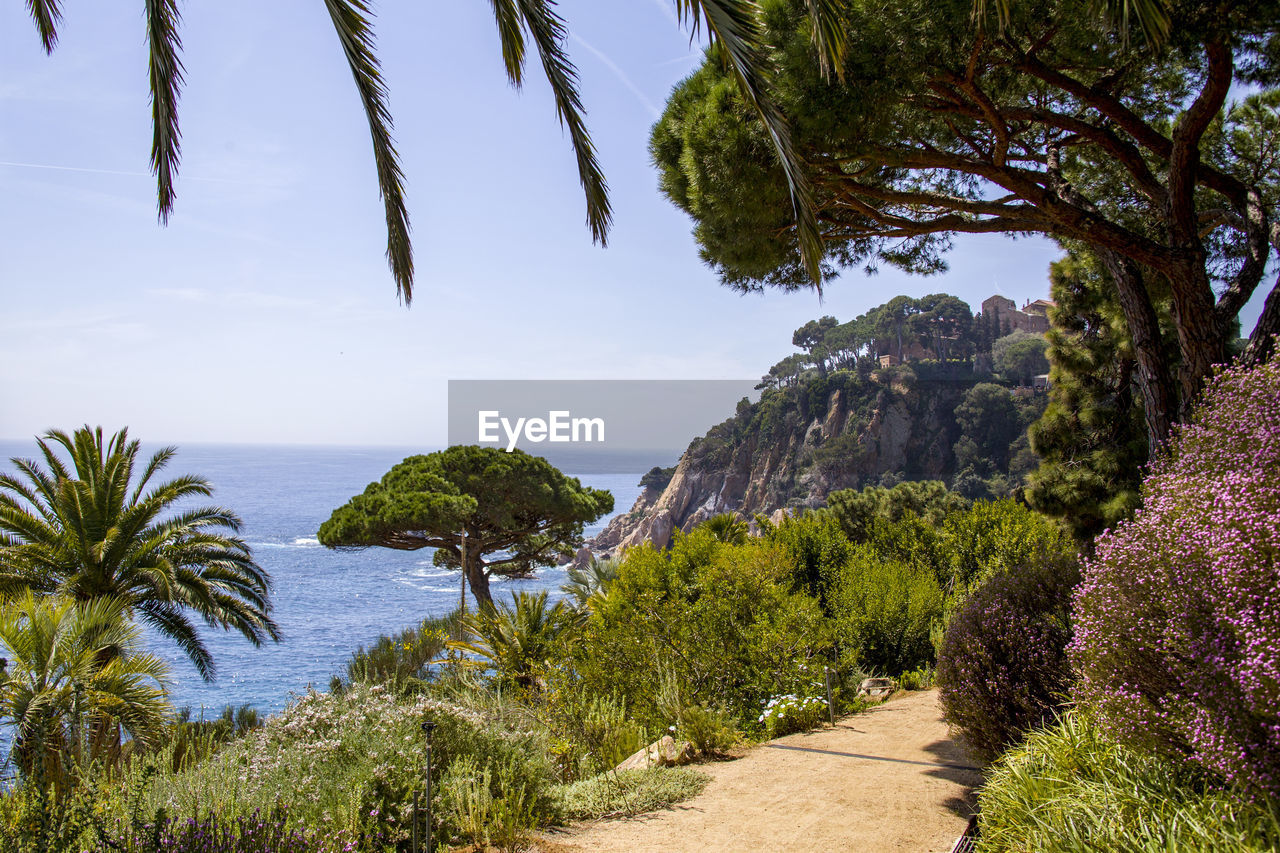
(518, 640)
(73, 678)
(728, 528)
(587, 584)
(87, 528)
(734, 24)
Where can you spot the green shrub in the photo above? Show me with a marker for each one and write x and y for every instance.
(997, 536)
(402, 657)
(1002, 669)
(487, 807)
(883, 613)
(856, 511)
(606, 736)
(783, 715)
(816, 549)
(38, 819)
(1067, 789)
(721, 619)
(920, 678)
(188, 741)
(630, 792)
(710, 730)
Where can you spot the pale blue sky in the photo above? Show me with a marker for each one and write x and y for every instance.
(265, 313)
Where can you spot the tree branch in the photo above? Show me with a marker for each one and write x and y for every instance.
(1260, 235)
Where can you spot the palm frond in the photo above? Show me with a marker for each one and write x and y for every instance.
(156, 464)
(170, 622)
(828, 35)
(1151, 16)
(164, 72)
(47, 14)
(734, 25)
(547, 29)
(511, 38)
(89, 533)
(352, 20)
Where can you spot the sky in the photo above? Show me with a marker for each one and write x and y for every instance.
(264, 312)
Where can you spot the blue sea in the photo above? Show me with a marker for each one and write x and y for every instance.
(327, 603)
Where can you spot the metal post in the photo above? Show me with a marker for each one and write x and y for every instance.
(831, 709)
(428, 727)
(462, 599)
(416, 847)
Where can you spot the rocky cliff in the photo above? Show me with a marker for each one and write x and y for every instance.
(796, 445)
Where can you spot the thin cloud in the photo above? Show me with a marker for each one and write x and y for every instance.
(620, 74)
(667, 11)
(56, 168)
(687, 59)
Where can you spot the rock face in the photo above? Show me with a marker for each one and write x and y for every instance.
(794, 447)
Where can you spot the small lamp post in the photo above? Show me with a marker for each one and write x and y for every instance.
(428, 727)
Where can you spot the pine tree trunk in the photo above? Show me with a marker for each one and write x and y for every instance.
(1155, 378)
(1200, 337)
(478, 581)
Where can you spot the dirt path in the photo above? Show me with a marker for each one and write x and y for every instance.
(889, 779)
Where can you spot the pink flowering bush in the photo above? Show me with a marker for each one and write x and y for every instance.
(1177, 643)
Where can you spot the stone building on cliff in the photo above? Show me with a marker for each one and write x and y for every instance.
(1032, 317)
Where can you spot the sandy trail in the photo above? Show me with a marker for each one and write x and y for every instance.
(889, 779)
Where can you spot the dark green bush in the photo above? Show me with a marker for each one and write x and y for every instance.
(928, 499)
(816, 550)
(1002, 668)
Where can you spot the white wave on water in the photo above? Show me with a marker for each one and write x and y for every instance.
(421, 587)
(299, 542)
(430, 571)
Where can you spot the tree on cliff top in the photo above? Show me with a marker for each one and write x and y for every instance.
(518, 513)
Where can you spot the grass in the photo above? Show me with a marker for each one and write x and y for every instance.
(1068, 790)
(630, 792)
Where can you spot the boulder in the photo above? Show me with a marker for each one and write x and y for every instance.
(876, 688)
(664, 752)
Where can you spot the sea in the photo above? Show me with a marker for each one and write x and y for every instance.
(327, 603)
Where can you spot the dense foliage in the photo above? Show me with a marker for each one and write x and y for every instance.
(884, 611)
(1178, 637)
(1002, 668)
(926, 499)
(721, 620)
